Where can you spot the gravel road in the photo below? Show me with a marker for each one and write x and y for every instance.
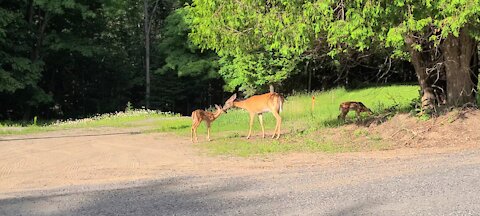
(430, 184)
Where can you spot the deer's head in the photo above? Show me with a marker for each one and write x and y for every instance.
(220, 110)
(364, 108)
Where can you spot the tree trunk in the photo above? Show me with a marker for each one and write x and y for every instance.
(309, 77)
(40, 35)
(458, 52)
(420, 65)
(475, 72)
(147, 53)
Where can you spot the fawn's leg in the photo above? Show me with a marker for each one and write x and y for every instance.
(208, 131)
(194, 131)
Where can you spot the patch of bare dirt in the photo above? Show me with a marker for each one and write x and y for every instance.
(108, 155)
(460, 128)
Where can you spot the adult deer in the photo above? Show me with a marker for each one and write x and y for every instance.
(257, 105)
(201, 115)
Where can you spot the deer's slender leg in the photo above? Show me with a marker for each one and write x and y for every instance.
(196, 127)
(191, 134)
(278, 124)
(342, 114)
(208, 131)
(194, 131)
(260, 118)
(252, 116)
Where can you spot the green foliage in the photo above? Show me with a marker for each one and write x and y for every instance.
(251, 71)
(16, 70)
(259, 42)
(185, 78)
(380, 23)
(181, 56)
(41, 42)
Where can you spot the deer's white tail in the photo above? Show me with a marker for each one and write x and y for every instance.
(280, 102)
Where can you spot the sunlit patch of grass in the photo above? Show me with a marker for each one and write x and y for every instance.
(300, 126)
(298, 115)
(244, 148)
(179, 125)
(300, 120)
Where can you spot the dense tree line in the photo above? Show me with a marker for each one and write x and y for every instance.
(75, 58)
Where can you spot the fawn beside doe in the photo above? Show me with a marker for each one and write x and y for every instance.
(201, 115)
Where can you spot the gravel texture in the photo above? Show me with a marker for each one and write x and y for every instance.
(432, 184)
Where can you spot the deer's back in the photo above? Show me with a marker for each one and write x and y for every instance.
(263, 103)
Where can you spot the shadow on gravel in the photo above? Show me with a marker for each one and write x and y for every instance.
(172, 196)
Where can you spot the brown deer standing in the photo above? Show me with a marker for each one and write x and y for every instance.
(257, 105)
(359, 107)
(201, 115)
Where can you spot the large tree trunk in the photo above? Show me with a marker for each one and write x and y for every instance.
(458, 53)
(420, 65)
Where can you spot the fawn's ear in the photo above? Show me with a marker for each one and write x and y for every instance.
(218, 107)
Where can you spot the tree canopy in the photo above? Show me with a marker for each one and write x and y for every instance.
(279, 33)
(73, 58)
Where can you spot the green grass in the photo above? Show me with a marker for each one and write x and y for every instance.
(135, 118)
(300, 126)
(301, 123)
(245, 148)
(297, 115)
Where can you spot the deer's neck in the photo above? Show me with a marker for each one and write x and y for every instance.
(239, 104)
(216, 115)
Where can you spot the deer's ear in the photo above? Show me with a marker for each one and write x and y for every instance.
(218, 107)
(233, 97)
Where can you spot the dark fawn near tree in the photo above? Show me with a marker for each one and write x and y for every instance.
(359, 107)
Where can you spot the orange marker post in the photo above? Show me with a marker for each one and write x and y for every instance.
(313, 102)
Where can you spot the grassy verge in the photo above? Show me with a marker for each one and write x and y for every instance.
(301, 124)
(304, 129)
(307, 130)
(135, 118)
